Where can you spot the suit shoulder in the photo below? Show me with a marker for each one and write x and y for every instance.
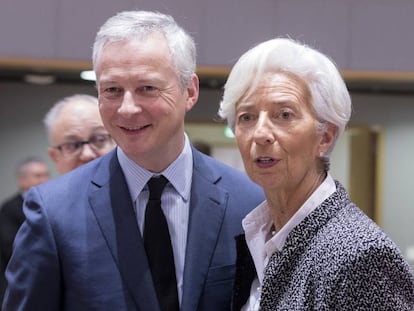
(72, 182)
(352, 235)
(225, 171)
(234, 181)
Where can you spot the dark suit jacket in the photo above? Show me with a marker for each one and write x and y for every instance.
(335, 259)
(11, 218)
(245, 274)
(81, 249)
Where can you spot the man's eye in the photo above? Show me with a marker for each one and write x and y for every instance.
(112, 89)
(98, 139)
(72, 145)
(149, 88)
(148, 91)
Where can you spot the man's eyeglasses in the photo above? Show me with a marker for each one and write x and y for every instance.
(96, 142)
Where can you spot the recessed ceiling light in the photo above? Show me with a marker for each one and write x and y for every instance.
(88, 75)
(39, 79)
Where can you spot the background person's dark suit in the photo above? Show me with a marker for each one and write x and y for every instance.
(86, 251)
(11, 218)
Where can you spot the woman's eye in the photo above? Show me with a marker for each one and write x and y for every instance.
(245, 117)
(286, 115)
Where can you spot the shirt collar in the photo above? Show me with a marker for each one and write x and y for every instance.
(258, 223)
(179, 173)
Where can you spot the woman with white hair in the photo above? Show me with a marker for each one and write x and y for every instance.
(307, 246)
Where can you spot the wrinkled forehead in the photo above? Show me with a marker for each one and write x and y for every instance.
(80, 119)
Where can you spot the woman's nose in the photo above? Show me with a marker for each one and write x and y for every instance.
(264, 130)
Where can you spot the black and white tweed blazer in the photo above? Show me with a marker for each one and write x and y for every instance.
(335, 259)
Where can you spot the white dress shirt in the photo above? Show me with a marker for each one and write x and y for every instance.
(174, 201)
(263, 243)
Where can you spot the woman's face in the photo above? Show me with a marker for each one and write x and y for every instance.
(277, 133)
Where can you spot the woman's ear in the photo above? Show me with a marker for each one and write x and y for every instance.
(327, 139)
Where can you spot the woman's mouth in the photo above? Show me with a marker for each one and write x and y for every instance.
(265, 162)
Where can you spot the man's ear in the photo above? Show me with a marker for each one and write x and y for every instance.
(53, 154)
(192, 92)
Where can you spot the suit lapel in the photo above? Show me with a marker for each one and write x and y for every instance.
(112, 206)
(207, 208)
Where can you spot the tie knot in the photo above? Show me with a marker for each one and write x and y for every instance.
(156, 186)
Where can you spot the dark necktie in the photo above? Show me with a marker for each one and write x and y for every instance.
(157, 244)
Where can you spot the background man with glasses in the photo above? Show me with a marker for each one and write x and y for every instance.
(76, 133)
(76, 136)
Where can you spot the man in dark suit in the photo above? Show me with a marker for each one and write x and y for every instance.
(86, 232)
(30, 172)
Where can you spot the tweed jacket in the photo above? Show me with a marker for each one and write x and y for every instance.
(335, 259)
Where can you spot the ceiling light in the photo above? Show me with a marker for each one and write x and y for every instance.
(39, 79)
(88, 75)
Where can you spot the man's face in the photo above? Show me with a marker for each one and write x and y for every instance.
(33, 174)
(75, 124)
(141, 100)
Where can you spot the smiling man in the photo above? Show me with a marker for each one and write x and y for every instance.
(92, 241)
